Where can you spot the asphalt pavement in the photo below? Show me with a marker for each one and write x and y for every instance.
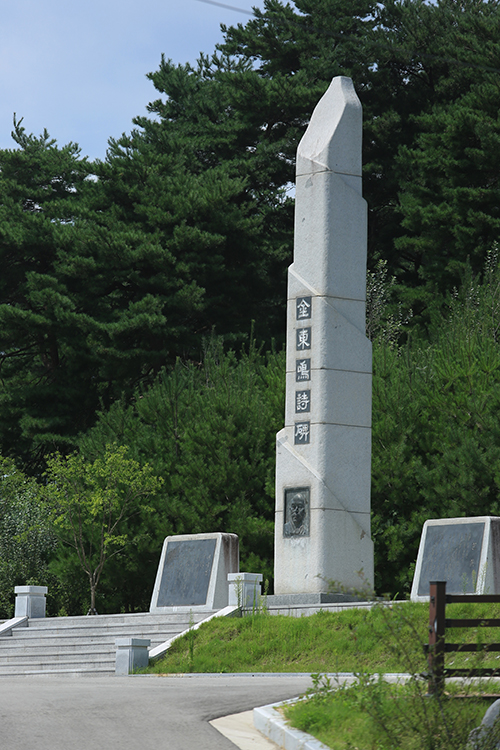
(140, 712)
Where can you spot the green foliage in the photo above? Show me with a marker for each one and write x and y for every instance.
(91, 503)
(82, 314)
(449, 187)
(375, 711)
(208, 430)
(435, 427)
(26, 538)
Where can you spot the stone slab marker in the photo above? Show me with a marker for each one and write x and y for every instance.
(324, 451)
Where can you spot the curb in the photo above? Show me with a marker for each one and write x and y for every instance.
(270, 722)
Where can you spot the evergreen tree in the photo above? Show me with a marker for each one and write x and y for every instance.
(436, 441)
(208, 431)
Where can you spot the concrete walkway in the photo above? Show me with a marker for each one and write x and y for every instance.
(141, 712)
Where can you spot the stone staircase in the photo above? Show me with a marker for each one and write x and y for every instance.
(83, 645)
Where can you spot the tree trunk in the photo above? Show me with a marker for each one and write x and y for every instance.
(92, 610)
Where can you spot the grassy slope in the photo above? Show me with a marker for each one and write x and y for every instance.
(379, 716)
(383, 639)
(387, 638)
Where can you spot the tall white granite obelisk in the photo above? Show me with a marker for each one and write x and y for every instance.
(324, 451)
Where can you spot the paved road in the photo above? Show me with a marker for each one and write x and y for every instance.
(131, 713)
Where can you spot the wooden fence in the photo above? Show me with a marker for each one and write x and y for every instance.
(438, 624)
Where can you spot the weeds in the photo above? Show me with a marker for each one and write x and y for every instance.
(375, 714)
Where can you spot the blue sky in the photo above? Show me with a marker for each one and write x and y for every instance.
(79, 68)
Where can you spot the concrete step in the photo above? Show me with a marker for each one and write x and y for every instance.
(51, 639)
(83, 645)
(42, 667)
(145, 618)
(54, 647)
(30, 633)
(57, 657)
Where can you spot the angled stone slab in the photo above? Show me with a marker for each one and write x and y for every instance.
(338, 478)
(7, 627)
(193, 570)
(464, 552)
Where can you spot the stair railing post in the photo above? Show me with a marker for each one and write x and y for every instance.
(437, 609)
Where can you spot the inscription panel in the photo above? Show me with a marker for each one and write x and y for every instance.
(302, 370)
(303, 307)
(186, 573)
(452, 554)
(302, 401)
(303, 339)
(302, 433)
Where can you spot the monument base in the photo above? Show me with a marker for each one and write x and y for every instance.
(292, 600)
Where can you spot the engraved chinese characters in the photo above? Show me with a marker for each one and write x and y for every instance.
(302, 432)
(303, 370)
(323, 453)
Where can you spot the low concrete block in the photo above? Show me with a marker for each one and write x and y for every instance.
(245, 589)
(30, 601)
(131, 654)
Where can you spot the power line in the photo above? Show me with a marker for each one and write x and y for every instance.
(227, 7)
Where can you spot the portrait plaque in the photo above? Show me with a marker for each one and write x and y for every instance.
(297, 512)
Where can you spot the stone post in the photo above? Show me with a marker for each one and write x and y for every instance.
(30, 601)
(131, 654)
(244, 589)
(323, 462)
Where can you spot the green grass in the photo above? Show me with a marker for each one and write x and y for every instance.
(386, 638)
(379, 716)
(383, 639)
(324, 642)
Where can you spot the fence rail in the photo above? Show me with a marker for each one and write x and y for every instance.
(437, 646)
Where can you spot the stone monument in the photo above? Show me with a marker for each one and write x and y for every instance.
(192, 573)
(464, 552)
(323, 462)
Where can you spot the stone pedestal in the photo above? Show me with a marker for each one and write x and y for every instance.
(131, 654)
(323, 462)
(30, 601)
